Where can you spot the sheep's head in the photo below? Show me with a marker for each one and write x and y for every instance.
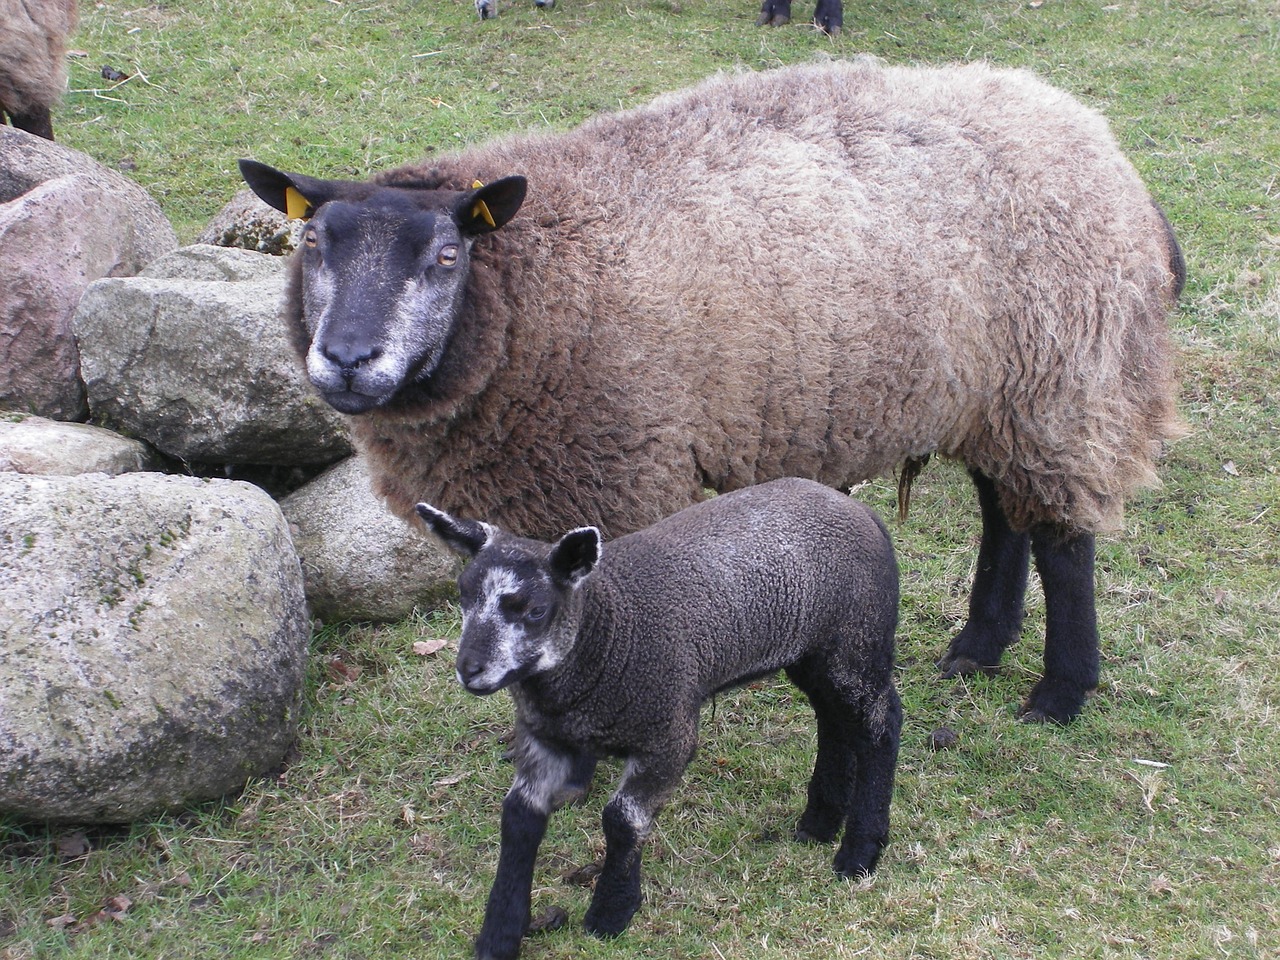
(383, 271)
(520, 598)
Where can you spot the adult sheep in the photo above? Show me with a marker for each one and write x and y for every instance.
(33, 70)
(823, 271)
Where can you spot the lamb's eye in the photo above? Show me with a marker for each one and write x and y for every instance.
(448, 256)
(309, 238)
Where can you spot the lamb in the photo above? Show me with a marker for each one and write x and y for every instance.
(33, 71)
(826, 271)
(613, 651)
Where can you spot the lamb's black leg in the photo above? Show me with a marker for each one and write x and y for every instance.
(543, 776)
(999, 589)
(875, 746)
(506, 918)
(1065, 564)
(829, 16)
(774, 13)
(627, 820)
(832, 783)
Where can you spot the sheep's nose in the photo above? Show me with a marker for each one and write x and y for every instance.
(348, 355)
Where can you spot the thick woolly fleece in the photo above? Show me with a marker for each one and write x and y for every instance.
(33, 44)
(788, 575)
(733, 284)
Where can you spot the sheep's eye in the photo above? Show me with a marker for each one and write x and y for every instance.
(448, 256)
(309, 238)
(536, 613)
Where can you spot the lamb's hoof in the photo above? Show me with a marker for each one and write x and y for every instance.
(830, 29)
(812, 830)
(958, 665)
(606, 928)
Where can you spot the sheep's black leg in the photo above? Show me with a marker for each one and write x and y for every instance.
(627, 820)
(542, 777)
(999, 589)
(875, 747)
(1065, 564)
(829, 16)
(39, 122)
(774, 13)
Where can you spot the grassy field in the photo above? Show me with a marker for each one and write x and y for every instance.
(1150, 828)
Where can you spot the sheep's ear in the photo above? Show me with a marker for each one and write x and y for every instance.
(466, 537)
(576, 555)
(294, 195)
(486, 208)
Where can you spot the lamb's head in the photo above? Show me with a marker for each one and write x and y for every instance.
(383, 271)
(521, 599)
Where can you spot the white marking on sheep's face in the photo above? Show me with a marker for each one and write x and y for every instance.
(381, 288)
(512, 627)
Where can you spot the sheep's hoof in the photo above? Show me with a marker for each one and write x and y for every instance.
(1052, 705)
(772, 20)
(858, 859)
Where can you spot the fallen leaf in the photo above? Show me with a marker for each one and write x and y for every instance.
(340, 672)
(72, 846)
(1230, 468)
(425, 648)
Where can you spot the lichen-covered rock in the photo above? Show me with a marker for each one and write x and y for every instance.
(191, 356)
(153, 633)
(65, 221)
(53, 448)
(249, 223)
(361, 562)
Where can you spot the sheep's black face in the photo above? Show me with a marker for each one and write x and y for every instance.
(381, 287)
(383, 275)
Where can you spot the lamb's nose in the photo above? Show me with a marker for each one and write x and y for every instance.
(469, 668)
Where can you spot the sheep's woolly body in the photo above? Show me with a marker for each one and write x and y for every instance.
(33, 71)
(732, 284)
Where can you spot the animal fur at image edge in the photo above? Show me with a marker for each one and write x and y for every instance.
(820, 271)
(728, 286)
(33, 69)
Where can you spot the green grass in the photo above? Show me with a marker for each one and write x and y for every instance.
(1148, 829)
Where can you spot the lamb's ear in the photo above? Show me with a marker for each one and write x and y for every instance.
(466, 537)
(576, 555)
(488, 207)
(294, 195)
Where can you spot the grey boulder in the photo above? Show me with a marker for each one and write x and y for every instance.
(53, 448)
(192, 357)
(153, 634)
(360, 561)
(65, 221)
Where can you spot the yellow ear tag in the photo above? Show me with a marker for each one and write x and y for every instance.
(297, 207)
(481, 209)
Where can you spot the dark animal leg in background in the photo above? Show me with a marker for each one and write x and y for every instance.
(506, 918)
(39, 122)
(1065, 564)
(580, 777)
(828, 16)
(774, 13)
(867, 830)
(999, 589)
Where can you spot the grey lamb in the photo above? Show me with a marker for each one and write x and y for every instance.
(33, 69)
(613, 650)
(824, 271)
